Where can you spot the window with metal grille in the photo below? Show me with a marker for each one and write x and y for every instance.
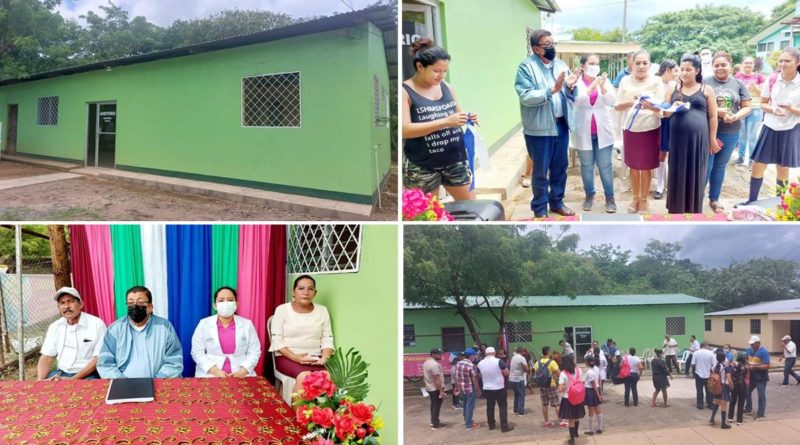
(409, 337)
(329, 248)
(708, 325)
(271, 100)
(728, 325)
(47, 110)
(755, 326)
(519, 331)
(676, 325)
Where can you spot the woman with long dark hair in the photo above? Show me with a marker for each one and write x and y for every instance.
(668, 71)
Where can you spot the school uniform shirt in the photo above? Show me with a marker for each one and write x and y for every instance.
(491, 369)
(600, 110)
(782, 92)
(564, 379)
(694, 347)
(790, 350)
(208, 351)
(634, 362)
(74, 346)
(592, 375)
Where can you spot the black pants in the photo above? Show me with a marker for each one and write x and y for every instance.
(498, 396)
(738, 396)
(688, 364)
(436, 406)
(700, 386)
(631, 387)
(672, 361)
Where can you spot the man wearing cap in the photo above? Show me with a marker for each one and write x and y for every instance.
(789, 357)
(434, 384)
(494, 372)
(74, 340)
(465, 382)
(140, 344)
(758, 364)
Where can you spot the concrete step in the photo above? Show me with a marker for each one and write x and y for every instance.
(40, 162)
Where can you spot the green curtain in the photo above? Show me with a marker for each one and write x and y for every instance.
(126, 242)
(224, 257)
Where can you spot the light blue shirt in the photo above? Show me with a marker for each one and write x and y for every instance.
(160, 345)
(558, 102)
(139, 365)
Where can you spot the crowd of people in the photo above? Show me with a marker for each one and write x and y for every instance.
(142, 344)
(722, 377)
(684, 123)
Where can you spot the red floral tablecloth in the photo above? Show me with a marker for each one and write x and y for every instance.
(186, 411)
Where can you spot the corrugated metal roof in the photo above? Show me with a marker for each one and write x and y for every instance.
(584, 300)
(383, 17)
(769, 307)
(546, 5)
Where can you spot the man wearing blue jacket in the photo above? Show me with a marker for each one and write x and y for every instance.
(140, 344)
(546, 91)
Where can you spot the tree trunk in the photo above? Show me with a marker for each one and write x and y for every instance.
(4, 343)
(462, 310)
(58, 249)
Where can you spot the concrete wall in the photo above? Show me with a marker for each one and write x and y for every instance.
(771, 331)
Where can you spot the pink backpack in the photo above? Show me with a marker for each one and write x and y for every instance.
(576, 392)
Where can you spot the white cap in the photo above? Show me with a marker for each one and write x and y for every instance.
(754, 339)
(787, 337)
(69, 291)
(490, 350)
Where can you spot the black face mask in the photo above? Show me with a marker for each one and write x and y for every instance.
(137, 313)
(550, 54)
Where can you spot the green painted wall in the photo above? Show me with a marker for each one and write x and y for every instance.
(364, 314)
(638, 326)
(184, 115)
(487, 42)
(380, 135)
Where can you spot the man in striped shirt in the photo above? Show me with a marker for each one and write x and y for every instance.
(465, 384)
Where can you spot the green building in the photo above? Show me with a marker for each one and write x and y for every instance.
(487, 41)
(302, 109)
(631, 320)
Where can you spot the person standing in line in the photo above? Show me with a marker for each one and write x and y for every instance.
(434, 384)
(632, 381)
(751, 125)
(789, 358)
(546, 376)
(612, 356)
(494, 371)
(758, 365)
(466, 385)
(671, 353)
(457, 357)
(704, 361)
(593, 395)
(721, 400)
(618, 117)
(517, 379)
(662, 374)
(668, 71)
(694, 346)
(739, 377)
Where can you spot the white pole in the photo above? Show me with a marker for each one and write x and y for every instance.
(378, 174)
(624, 19)
(20, 321)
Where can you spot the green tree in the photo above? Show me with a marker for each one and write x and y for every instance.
(588, 34)
(112, 35)
(228, 23)
(750, 282)
(33, 247)
(781, 10)
(671, 34)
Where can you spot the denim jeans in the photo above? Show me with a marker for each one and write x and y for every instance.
(436, 406)
(60, 373)
(631, 387)
(469, 406)
(550, 162)
(748, 135)
(602, 158)
(519, 396)
(700, 386)
(761, 387)
(717, 163)
(788, 371)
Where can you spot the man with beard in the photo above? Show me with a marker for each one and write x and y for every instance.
(74, 340)
(141, 344)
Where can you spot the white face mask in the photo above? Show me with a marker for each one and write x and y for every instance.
(593, 70)
(226, 308)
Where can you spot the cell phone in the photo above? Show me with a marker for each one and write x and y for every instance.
(785, 105)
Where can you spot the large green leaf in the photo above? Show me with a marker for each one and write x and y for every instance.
(349, 373)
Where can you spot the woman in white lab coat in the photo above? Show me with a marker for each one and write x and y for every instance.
(225, 344)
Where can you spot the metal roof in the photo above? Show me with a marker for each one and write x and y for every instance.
(769, 29)
(582, 300)
(384, 17)
(769, 307)
(546, 5)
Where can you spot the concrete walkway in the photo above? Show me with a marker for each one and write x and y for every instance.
(31, 180)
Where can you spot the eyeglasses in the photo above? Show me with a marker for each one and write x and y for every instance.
(547, 45)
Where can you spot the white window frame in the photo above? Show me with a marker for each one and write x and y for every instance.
(295, 269)
(300, 98)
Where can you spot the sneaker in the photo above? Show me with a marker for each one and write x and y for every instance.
(505, 430)
(749, 413)
(458, 407)
(658, 195)
(588, 203)
(598, 432)
(589, 433)
(525, 181)
(611, 205)
(738, 423)
(548, 425)
(474, 426)
(759, 418)
(440, 425)
(739, 161)
(725, 426)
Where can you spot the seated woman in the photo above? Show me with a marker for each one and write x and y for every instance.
(225, 345)
(301, 334)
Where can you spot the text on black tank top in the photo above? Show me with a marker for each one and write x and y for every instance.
(442, 147)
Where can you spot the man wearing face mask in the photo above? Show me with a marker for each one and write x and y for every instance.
(141, 344)
(225, 345)
(706, 61)
(546, 90)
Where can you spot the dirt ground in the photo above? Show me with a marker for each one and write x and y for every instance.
(95, 199)
(781, 403)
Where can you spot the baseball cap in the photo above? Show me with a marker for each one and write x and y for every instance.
(469, 351)
(754, 339)
(69, 291)
(490, 350)
(436, 351)
(786, 337)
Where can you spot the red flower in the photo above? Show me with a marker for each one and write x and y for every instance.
(344, 427)
(361, 432)
(322, 441)
(322, 416)
(316, 384)
(361, 412)
(301, 415)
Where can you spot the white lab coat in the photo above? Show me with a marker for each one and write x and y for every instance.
(582, 133)
(207, 352)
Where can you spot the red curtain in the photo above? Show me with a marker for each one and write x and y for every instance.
(93, 269)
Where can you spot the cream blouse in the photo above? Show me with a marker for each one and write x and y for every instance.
(302, 333)
(653, 87)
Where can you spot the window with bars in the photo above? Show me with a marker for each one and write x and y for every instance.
(47, 111)
(728, 325)
(329, 248)
(755, 326)
(708, 325)
(409, 336)
(271, 100)
(676, 325)
(519, 331)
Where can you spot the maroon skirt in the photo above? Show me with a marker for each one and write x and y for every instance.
(642, 149)
(292, 369)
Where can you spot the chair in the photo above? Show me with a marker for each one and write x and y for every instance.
(284, 383)
(683, 359)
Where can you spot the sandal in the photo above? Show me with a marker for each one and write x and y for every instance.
(525, 181)
(716, 207)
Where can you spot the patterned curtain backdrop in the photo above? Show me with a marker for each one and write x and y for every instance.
(126, 242)
(93, 269)
(224, 257)
(154, 265)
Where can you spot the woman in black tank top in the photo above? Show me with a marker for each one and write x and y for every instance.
(432, 118)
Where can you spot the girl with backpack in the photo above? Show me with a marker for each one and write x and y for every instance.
(629, 371)
(739, 376)
(721, 374)
(779, 141)
(573, 394)
(593, 396)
